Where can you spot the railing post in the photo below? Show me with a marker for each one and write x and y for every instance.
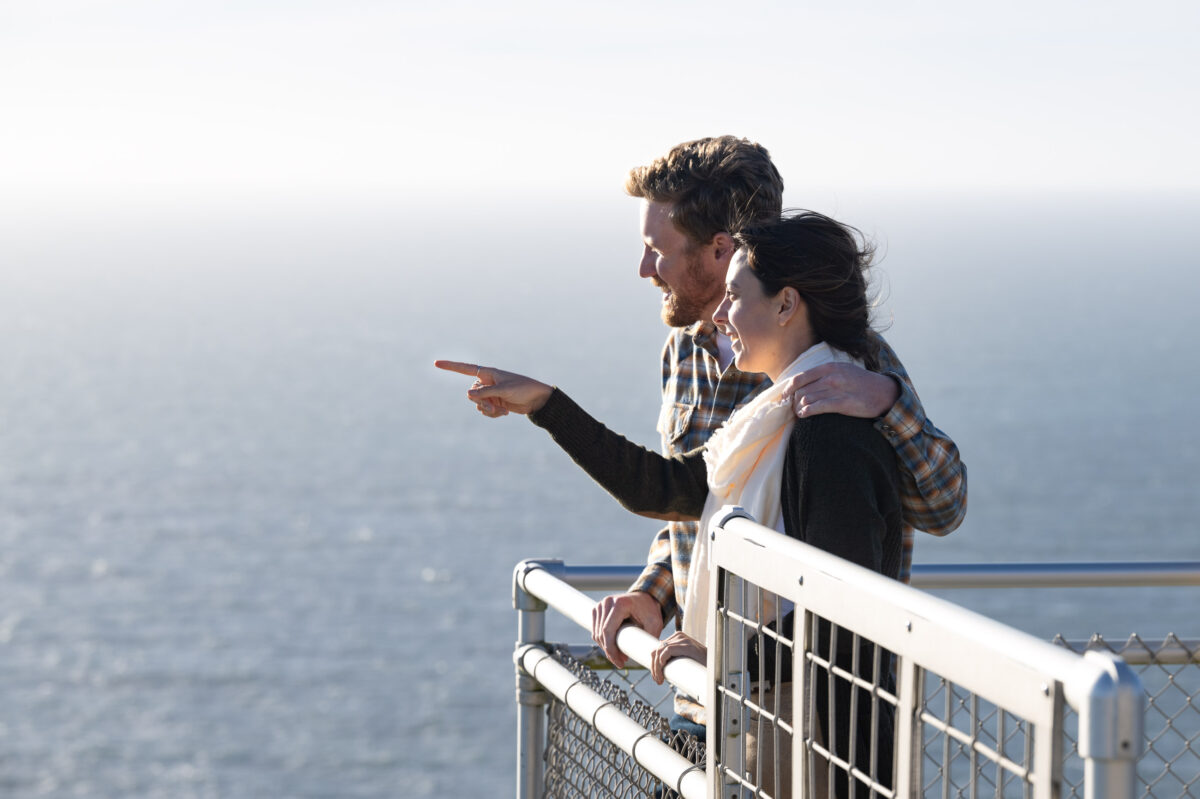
(727, 719)
(1111, 737)
(531, 698)
(908, 761)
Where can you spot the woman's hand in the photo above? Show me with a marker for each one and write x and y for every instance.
(496, 392)
(679, 645)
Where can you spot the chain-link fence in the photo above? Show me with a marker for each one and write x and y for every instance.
(970, 746)
(1170, 673)
(583, 764)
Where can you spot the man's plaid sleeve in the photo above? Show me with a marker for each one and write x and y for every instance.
(657, 579)
(933, 477)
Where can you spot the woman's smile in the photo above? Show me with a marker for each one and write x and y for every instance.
(746, 316)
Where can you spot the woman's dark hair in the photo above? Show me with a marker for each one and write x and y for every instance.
(826, 262)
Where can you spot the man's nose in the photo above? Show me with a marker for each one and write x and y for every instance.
(646, 267)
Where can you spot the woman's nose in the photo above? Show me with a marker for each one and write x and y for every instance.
(719, 315)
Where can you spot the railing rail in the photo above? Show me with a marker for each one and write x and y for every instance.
(1067, 574)
(1056, 575)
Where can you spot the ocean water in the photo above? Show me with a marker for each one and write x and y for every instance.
(252, 543)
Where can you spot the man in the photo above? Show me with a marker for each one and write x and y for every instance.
(692, 199)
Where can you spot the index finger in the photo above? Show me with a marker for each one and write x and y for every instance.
(468, 369)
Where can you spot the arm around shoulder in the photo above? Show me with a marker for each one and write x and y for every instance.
(933, 476)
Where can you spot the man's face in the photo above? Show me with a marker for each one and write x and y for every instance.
(691, 285)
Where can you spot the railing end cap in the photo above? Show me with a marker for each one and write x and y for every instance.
(521, 599)
(728, 513)
(1111, 708)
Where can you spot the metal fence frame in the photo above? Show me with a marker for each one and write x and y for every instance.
(1010, 669)
(538, 584)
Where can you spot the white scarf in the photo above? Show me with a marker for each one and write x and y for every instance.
(745, 467)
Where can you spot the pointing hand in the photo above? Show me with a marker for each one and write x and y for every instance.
(496, 392)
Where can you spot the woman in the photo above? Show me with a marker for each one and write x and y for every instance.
(795, 298)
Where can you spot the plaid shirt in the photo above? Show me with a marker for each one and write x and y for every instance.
(698, 398)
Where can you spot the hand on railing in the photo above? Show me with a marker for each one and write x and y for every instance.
(679, 645)
(684, 673)
(496, 392)
(612, 612)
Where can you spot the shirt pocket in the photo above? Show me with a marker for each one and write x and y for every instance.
(674, 423)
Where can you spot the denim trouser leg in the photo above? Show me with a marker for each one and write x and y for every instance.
(679, 722)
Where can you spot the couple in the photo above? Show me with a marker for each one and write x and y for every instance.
(793, 310)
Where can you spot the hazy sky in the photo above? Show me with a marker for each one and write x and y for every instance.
(163, 98)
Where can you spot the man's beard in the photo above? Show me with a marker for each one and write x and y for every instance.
(688, 303)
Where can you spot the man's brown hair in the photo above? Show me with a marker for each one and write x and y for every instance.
(714, 184)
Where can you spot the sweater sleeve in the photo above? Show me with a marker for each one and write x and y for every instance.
(642, 480)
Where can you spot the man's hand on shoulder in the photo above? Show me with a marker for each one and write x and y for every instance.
(841, 388)
(612, 612)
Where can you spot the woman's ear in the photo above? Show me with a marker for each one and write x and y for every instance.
(790, 304)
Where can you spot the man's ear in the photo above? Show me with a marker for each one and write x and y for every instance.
(722, 247)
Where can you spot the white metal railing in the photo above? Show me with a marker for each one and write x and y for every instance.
(1055, 575)
(538, 584)
(957, 575)
(1012, 673)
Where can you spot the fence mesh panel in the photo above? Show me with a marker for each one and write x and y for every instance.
(990, 745)
(583, 764)
(970, 748)
(1170, 673)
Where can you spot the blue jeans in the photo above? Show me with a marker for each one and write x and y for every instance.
(679, 722)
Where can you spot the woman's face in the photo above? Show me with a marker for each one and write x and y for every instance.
(751, 320)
